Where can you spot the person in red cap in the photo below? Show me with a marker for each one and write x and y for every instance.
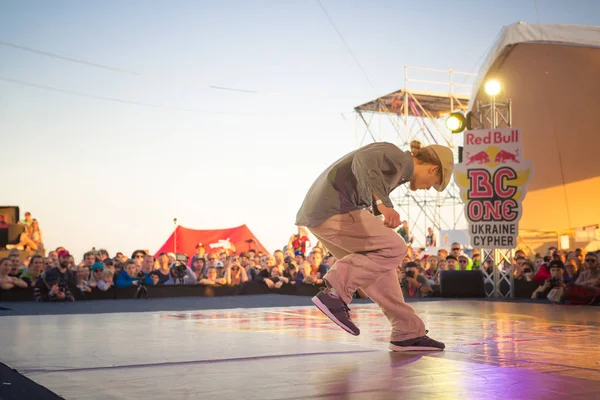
(63, 271)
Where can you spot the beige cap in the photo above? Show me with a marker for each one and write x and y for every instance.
(447, 160)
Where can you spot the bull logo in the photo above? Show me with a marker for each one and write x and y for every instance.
(504, 156)
(480, 158)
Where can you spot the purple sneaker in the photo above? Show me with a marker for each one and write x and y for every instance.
(335, 308)
(423, 343)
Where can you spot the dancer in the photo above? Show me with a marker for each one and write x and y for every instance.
(337, 210)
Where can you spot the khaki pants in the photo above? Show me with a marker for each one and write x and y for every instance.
(368, 254)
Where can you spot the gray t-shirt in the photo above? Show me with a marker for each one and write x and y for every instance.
(349, 183)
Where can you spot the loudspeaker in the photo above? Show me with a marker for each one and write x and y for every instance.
(11, 234)
(462, 284)
(10, 213)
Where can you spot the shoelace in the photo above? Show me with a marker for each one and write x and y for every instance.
(346, 309)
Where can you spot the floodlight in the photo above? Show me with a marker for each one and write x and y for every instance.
(493, 87)
(456, 122)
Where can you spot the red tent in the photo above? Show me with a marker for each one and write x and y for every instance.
(187, 239)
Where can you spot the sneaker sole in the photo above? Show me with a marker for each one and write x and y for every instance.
(413, 348)
(323, 308)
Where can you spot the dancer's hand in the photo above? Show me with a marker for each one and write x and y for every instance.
(392, 218)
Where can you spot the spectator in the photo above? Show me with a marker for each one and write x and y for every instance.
(299, 241)
(313, 271)
(26, 241)
(68, 276)
(236, 275)
(290, 270)
(198, 267)
(200, 251)
(14, 256)
(442, 266)
(35, 234)
(572, 269)
(28, 220)
(34, 270)
(106, 280)
(553, 288)
(590, 276)
(414, 284)
(172, 258)
(72, 265)
(52, 287)
(189, 277)
(53, 258)
(279, 258)
(163, 268)
(455, 250)
(138, 257)
(252, 270)
(442, 254)
(463, 262)
(519, 261)
(120, 257)
(83, 276)
(220, 267)
(451, 262)
(96, 274)
(275, 280)
(476, 258)
(431, 266)
(7, 281)
(89, 258)
(299, 257)
(527, 273)
(211, 278)
(148, 268)
(430, 240)
(404, 231)
(128, 276)
(102, 255)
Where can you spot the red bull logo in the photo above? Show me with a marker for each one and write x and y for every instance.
(480, 158)
(504, 156)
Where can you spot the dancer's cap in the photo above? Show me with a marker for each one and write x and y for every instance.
(446, 158)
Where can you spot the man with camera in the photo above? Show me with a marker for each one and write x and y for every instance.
(180, 274)
(553, 288)
(69, 277)
(52, 287)
(414, 284)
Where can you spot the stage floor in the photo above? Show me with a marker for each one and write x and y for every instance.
(493, 350)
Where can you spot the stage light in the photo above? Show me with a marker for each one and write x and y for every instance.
(456, 122)
(493, 87)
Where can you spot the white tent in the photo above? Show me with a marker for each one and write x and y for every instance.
(551, 73)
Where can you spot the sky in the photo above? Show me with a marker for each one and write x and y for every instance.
(107, 157)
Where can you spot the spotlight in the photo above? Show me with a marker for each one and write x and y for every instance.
(493, 87)
(456, 122)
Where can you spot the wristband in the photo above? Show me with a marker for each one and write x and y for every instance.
(378, 202)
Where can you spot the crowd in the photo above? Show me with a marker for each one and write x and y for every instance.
(55, 276)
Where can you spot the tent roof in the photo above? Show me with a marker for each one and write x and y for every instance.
(521, 32)
(550, 74)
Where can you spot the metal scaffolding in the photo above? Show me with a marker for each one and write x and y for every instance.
(410, 114)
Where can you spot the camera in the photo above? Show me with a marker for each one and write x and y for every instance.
(179, 270)
(553, 282)
(410, 274)
(142, 277)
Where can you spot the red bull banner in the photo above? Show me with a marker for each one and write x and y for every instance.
(493, 179)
